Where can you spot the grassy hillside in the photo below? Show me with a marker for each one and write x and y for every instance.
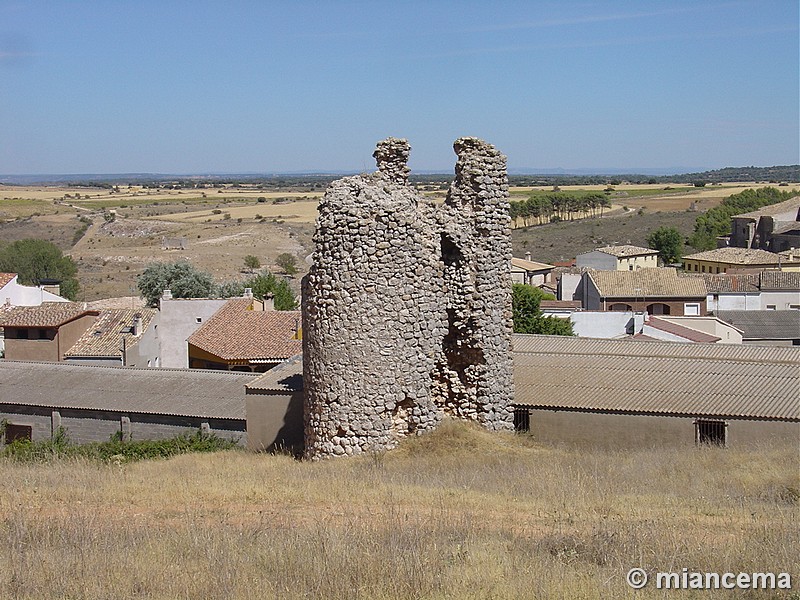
(457, 514)
(563, 241)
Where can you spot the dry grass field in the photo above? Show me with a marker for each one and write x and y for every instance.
(459, 514)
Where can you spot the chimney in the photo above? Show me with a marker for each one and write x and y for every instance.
(527, 256)
(248, 292)
(136, 329)
(166, 295)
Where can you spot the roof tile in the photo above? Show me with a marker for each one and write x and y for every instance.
(236, 332)
(655, 283)
(48, 314)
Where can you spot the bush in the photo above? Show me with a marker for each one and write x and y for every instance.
(115, 449)
(181, 278)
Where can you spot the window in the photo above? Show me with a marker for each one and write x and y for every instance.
(522, 419)
(771, 306)
(794, 306)
(691, 309)
(198, 319)
(711, 432)
(704, 268)
(18, 433)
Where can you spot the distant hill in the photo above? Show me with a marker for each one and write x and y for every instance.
(777, 175)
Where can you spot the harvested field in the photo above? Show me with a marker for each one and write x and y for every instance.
(460, 513)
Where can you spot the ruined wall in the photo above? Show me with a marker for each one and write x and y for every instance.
(407, 306)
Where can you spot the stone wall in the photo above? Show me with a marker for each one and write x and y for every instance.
(407, 305)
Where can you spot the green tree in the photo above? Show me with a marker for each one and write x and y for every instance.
(527, 316)
(717, 221)
(33, 260)
(266, 284)
(180, 277)
(287, 262)
(252, 262)
(669, 243)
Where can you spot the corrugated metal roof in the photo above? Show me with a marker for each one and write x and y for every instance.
(764, 324)
(555, 344)
(657, 377)
(286, 377)
(182, 392)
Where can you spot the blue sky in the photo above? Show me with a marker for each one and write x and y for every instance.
(277, 86)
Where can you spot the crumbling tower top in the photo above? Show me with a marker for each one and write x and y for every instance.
(391, 155)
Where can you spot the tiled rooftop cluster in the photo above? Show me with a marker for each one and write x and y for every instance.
(407, 307)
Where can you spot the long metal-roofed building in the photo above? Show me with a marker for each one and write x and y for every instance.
(623, 393)
(95, 402)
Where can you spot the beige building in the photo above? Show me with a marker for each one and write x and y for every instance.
(530, 272)
(44, 332)
(721, 260)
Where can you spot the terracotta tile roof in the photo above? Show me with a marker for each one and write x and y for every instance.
(104, 337)
(780, 280)
(773, 209)
(738, 256)
(553, 304)
(529, 265)
(122, 302)
(236, 332)
(5, 278)
(653, 283)
(686, 333)
(727, 283)
(626, 250)
(657, 377)
(48, 314)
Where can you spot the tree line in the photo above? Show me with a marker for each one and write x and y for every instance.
(716, 221)
(557, 206)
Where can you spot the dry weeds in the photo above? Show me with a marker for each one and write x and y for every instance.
(457, 514)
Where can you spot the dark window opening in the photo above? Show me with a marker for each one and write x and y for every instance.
(711, 432)
(18, 433)
(522, 419)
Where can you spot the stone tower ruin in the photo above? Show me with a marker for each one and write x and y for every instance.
(407, 305)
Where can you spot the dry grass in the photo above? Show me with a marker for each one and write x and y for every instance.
(457, 514)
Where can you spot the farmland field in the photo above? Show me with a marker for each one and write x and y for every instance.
(221, 226)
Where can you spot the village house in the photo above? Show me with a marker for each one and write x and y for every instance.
(721, 260)
(118, 338)
(618, 258)
(44, 332)
(655, 291)
(14, 294)
(530, 272)
(760, 290)
(179, 318)
(242, 336)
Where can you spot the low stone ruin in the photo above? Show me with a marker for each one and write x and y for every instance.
(407, 305)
